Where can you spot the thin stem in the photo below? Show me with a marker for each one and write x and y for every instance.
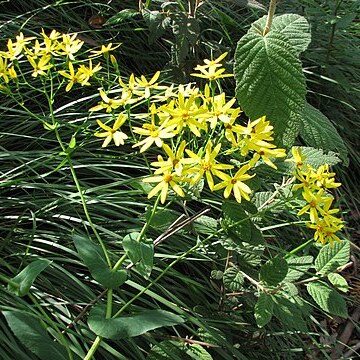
(302, 246)
(74, 176)
(270, 16)
(93, 348)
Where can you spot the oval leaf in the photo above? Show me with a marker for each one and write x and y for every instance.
(33, 336)
(274, 271)
(339, 282)
(93, 257)
(298, 266)
(130, 325)
(331, 257)
(27, 276)
(328, 299)
(263, 309)
(233, 279)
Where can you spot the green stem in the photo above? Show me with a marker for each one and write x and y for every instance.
(9, 281)
(93, 348)
(302, 246)
(270, 16)
(74, 176)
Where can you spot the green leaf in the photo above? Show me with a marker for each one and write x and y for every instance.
(298, 266)
(338, 281)
(318, 131)
(196, 351)
(236, 222)
(274, 271)
(292, 312)
(94, 258)
(121, 16)
(167, 350)
(270, 81)
(263, 309)
(328, 299)
(27, 276)
(331, 257)
(140, 253)
(130, 325)
(157, 22)
(233, 279)
(33, 336)
(216, 274)
(206, 225)
(294, 27)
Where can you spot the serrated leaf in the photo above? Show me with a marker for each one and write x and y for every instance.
(292, 312)
(27, 276)
(270, 81)
(233, 279)
(328, 299)
(317, 131)
(331, 257)
(338, 281)
(167, 350)
(162, 219)
(298, 266)
(121, 16)
(294, 27)
(236, 222)
(140, 253)
(130, 325)
(289, 289)
(263, 309)
(157, 22)
(33, 336)
(216, 274)
(206, 225)
(196, 351)
(274, 271)
(93, 257)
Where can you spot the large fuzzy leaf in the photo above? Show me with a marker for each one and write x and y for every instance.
(294, 27)
(270, 81)
(263, 309)
(318, 131)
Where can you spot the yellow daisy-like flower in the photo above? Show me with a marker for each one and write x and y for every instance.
(165, 181)
(315, 203)
(147, 85)
(108, 103)
(41, 66)
(105, 49)
(206, 164)
(265, 154)
(113, 133)
(235, 184)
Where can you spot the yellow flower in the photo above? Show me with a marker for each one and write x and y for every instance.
(235, 184)
(113, 133)
(105, 49)
(41, 66)
(72, 76)
(297, 157)
(315, 202)
(206, 165)
(211, 73)
(184, 113)
(155, 134)
(325, 231)
(265, 154)
(69, 46)
(147, 85)
(175, 161)
(107, 103)
(220, 110)
(86, 72)
(164, 182)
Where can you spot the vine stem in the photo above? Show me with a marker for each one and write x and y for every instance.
(270, 16)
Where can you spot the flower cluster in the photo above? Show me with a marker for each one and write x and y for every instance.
(48, 53)
(315, 186)
(178, 120)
